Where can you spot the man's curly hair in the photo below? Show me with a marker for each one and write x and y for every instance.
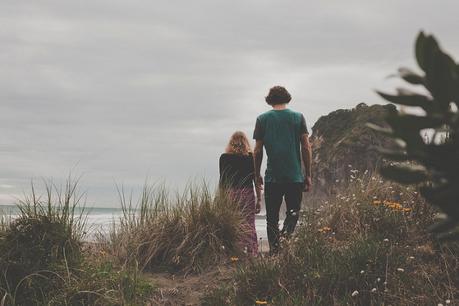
(278, 95)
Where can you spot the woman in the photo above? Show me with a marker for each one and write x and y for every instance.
(237, 176)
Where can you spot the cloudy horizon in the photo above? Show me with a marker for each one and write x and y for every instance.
(119, 91)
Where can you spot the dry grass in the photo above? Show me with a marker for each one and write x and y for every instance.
(187, 233)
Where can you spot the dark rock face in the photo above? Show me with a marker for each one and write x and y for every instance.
(342, 142)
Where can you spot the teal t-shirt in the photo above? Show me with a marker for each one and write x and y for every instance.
(281, 131)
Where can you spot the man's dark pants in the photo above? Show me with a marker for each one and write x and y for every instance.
(274, 194)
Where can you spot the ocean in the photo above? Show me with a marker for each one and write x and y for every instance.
(101, 219)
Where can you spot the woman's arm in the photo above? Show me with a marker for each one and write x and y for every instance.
(221, 167)
(257, 188)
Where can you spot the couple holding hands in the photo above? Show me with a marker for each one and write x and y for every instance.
(284, 135)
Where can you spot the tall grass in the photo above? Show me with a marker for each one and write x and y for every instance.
(365, 246)
(44, 238)
(43, 259)
(187, 232)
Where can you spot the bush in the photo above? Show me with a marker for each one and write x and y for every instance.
(42, 241)
(190, 233)
(43, 259)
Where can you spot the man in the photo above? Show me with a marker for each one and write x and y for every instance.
(284, 135)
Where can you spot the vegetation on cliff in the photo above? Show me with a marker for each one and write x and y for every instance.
(341, 140)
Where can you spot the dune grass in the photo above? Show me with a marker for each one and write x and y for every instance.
(185, 233)
(43, 259)
(366, 246)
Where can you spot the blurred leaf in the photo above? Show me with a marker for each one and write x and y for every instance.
(414, 122)
(380, 129)
(438, 159)
(429, 49)
(445, 197)
(449, 236)
(410, 76)
(456, 86)
(394, 155)
(443, 226)
(419, 49)
(441, 79)
(405, 174)
(407, 98)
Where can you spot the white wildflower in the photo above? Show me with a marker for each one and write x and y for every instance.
(373, 290)
(355, 293)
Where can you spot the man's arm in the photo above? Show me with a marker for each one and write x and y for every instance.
(257, 159)
(307, 158)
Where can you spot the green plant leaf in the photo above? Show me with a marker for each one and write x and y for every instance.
(441, 76)
(412, 122)
(405, 174)
(394, 155)
(410, 76)
(443, 226)
(445, 197)
(380, 129)
(449, 236)
(419, 49)
(407, 98)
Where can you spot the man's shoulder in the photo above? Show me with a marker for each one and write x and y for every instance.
(264, 115)
(296, 113)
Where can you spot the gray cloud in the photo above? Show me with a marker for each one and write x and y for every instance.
(119, 91)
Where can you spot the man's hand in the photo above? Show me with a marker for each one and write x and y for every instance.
(307, 184)
(259, 182)
(258, 206)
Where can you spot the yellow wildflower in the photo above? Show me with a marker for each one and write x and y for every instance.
(325, 229)
(234, 259)
(261, 302)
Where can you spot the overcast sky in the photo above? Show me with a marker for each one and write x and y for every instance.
(118, 91)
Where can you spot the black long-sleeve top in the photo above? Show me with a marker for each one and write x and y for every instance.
(236, 170)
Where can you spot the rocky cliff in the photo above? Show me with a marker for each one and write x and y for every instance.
(341, 142)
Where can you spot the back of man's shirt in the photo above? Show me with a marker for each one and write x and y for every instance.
(280, 131)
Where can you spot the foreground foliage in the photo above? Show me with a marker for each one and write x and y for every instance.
(436, 162)
(366, 246)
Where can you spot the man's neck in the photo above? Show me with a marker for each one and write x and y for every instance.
(280, 106)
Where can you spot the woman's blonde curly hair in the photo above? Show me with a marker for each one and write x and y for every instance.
(238, 144)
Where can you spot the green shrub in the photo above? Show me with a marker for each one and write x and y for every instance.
(43, 241)
(44, 261)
